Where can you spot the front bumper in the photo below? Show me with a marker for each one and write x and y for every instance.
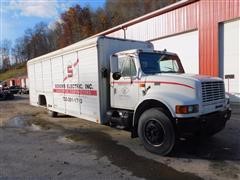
(205, 125)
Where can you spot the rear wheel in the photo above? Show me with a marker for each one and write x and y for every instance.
(52, 113)
(156, 131)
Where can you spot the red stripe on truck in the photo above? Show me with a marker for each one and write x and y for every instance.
(65, 78)
(161, 82)
(76, 91)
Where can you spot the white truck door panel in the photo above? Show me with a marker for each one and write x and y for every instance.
(124, 91)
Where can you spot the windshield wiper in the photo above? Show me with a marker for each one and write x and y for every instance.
(161, 58)
(152, 73)
(169, 72)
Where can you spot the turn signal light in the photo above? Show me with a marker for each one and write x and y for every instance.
(186, 109)
(142, 85)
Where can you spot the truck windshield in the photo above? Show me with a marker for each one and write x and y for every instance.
(153, 63)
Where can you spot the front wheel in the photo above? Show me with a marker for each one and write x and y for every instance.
(156, 131)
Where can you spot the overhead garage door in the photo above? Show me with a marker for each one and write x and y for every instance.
(230, 58)
(186, 46)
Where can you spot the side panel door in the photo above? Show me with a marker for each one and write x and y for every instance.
(71, 83)
(88, 78)
(47, 81)
(57, 83)
(39, 77)
(32, 86)
(125, 92)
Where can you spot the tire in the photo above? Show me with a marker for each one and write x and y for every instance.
(4, 96)
(156, 131)
(11, 96)
(52, 113)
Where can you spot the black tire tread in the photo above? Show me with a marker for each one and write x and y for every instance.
(164, 119)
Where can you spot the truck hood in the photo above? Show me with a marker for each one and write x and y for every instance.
(187, 77)
(193, 77)
(188, 80)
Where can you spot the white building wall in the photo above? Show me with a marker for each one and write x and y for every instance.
(231, 58)
(169, 31)
(186, 46)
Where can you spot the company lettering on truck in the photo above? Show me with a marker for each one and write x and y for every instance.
(81, 89)
(70, 69)
(75, 89)
(72, 99)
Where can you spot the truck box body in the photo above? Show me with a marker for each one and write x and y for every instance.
(72, 79)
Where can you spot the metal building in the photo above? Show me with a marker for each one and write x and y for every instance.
(204, 33)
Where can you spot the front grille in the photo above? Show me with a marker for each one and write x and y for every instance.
(212, 91)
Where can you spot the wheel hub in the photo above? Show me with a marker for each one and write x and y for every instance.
(154, 132)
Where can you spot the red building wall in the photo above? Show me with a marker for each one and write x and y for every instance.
(211, 14)
(18, 81)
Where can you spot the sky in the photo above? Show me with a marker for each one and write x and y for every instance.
(18, 15)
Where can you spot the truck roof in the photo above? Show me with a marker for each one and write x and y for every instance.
(67, 49)
(89, 42)
(134, 51)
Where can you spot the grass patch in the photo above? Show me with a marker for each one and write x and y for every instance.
(16, 71)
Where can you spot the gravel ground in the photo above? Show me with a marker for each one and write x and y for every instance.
(35, 146)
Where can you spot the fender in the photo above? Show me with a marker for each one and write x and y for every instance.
(167, 99)
(156, 98)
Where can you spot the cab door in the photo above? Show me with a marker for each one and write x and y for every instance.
(125, 91)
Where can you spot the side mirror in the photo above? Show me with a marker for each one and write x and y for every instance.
(114, 63)
(116, 75)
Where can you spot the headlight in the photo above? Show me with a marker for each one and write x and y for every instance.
(187, 109)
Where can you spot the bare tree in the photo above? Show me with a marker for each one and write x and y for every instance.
(5, 53)
(78, 23)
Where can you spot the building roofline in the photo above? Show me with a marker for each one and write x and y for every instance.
(147, 16)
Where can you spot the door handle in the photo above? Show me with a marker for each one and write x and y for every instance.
(114, 90)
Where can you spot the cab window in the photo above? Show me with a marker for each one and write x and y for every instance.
(127, 66)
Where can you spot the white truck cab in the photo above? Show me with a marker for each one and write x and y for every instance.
(164, 101)
(126, 83)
